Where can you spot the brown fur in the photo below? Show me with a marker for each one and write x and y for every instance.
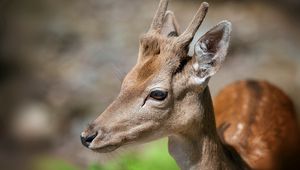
(262, 123)
(150, 67)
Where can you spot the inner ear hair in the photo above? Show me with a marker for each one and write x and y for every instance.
(216, 39)
(211, 49)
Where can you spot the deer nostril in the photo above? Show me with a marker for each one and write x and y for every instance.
(86, 141)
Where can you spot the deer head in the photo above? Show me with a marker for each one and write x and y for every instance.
(153, 99)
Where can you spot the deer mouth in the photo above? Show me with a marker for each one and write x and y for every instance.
(106, 148)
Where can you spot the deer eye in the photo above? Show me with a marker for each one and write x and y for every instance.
(158, 95)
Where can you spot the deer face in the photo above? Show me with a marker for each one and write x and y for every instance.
(150, 103)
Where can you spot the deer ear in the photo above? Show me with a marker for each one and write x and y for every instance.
(210, 51)
(170, 26)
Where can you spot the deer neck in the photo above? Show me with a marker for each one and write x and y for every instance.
(199, 147)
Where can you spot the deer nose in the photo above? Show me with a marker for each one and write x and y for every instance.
(86, 140)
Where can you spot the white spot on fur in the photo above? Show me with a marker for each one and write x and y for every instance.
(258, 152)
(240, 128)
(261, 147)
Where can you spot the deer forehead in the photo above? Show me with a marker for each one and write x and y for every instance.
(150, 66)
(151, 71)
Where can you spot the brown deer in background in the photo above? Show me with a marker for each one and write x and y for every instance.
(166, 94)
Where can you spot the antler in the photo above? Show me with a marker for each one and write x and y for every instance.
(188, 34)
(186, 37)
(159, 16)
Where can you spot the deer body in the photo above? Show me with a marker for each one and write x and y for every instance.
(166, 94)
(259, 121)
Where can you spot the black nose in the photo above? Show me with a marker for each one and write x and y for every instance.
(86, 141)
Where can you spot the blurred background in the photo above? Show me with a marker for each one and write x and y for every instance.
(62, 62)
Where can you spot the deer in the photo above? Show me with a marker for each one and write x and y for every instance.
(250, 125)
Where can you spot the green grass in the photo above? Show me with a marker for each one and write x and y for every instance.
(154, 157)
(49, 163)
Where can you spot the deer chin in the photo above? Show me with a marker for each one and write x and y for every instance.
(110, 146)
(106, 143)
(106, 148)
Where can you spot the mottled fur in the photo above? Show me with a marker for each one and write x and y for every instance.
(262, 124)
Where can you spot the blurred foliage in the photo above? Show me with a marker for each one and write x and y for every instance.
(49, 163)
(152, 158)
